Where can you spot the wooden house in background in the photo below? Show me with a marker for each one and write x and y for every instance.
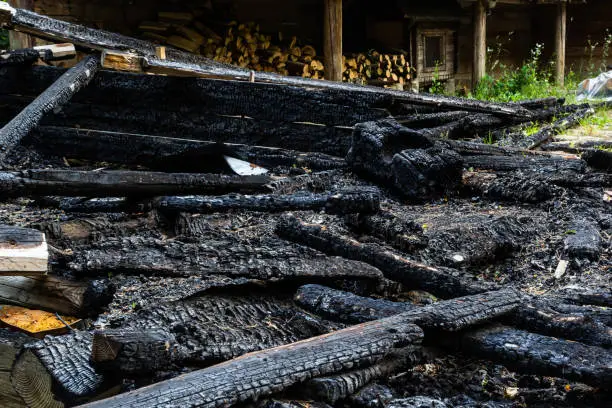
(444, 39)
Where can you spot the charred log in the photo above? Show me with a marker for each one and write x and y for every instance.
(56, 371)
(119, 183)
(541, 354)
(388, 153)
(345, 306)
(96, 205)
(167, 154)
(211, 329)
(599, 159)
(264, 258)
(56, 294)
(532, 163)
(316, 182)
(365, 200)
(55, 96)
(372, 396)
(25, 56)
(339, 387)
(445, 282)
(533, 141)
(512, 188)
(401, 234)
(538, 315)
(134, 351)
(273, 370)
(429, 120)
(584, 240)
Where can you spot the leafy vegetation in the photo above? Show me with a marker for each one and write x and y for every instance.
(4, 39)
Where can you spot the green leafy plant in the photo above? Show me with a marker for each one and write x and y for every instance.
(437, 87)
(4, 38)
(532, 129)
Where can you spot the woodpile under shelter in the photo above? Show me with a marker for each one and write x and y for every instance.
(405, 42)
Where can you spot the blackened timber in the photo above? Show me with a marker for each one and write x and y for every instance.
(56, 294)
(304, 137)
(200, 95)
(338, 387)
(598, 158)
(441, 281)
(211, 328)
(134, 351)
(56, 370)
(123, 183)
(19, 57)
(514, 188)
(429, 120)
(269, 371)
(265, 372)
(345, 306)
(535, 314)
(58, 94)
(400, 233)
(178, 62)
(95, 205)
(364, 200)
(535, 140)
(265, 258)
(167, 154)
(541, 354)
(535, 163)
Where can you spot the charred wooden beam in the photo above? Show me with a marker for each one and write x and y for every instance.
(273, 370)
(536, 314)
(316, 182)
(178, 62)
(123, 183)
(56, 294)
(19, 57)
(535, 163)
(430, 120)
(209, 328)
(444, 282)
(535, 140)
(345, 306)
(265, 258)
(400, 233)
(53, 97)
(168, 154)
(541, 354)
(409, 162)
(335, 388)
(514, 188)
(365, 200)
(96, 205)
(584, 241)
(23, 251)
(133, 351)
(599, 159)
(56, 371)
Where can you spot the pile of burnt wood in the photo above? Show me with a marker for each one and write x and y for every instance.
(212, 212)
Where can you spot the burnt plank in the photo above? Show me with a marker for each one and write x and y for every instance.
(111, 183)
(56, 95)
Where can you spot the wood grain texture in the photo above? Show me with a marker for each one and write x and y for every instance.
(23, 251)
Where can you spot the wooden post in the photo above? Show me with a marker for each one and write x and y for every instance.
(19, 40)
(332, 40)
(560, 42)
(480, 42)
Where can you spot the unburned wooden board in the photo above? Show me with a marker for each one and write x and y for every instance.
(23, 251)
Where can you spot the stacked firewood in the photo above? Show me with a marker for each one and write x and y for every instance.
(375, 68)
(244, 45)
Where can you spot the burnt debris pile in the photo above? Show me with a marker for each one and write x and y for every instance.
(236, 238)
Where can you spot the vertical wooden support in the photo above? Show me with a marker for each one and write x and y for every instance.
(560, 42)
(19, 40)
(332, 40)
(480, 42)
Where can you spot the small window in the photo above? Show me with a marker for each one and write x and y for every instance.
(433, 51)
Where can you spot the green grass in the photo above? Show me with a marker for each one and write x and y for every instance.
(532, 129)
